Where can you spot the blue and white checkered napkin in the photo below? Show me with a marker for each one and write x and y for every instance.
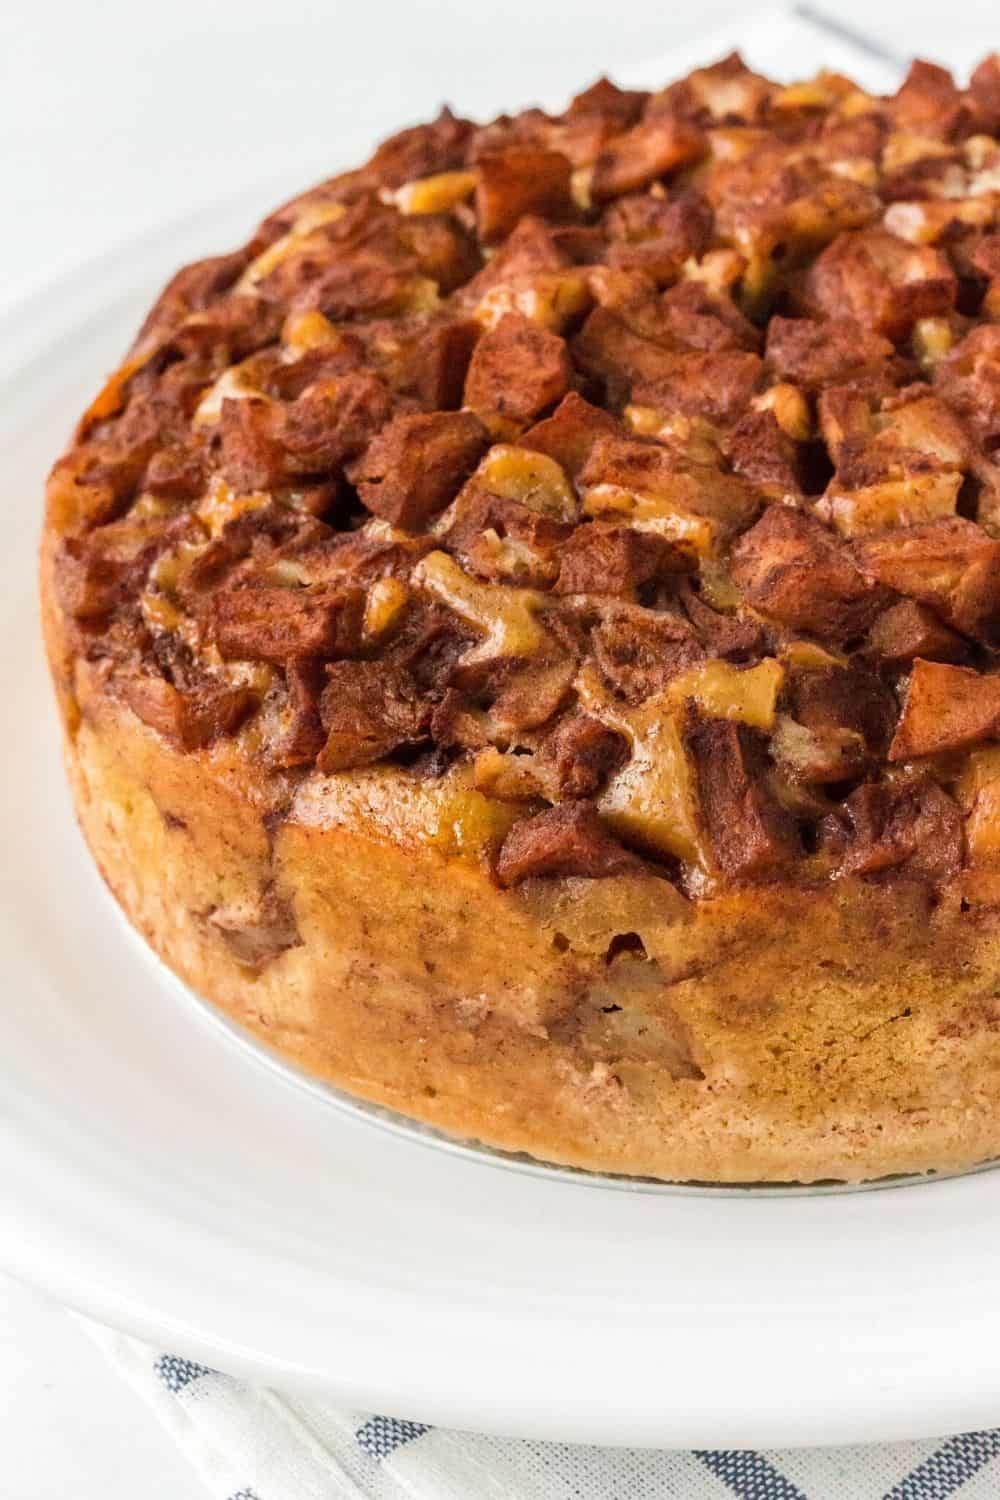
(249, 1443)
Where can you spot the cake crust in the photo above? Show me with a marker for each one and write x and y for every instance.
(525, 629)
(756, 1041)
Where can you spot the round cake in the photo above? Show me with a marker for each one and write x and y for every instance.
(526, 628)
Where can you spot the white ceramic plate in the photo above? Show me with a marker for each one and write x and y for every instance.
(168, 1180)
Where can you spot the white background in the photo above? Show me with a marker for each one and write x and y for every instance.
(117, 115)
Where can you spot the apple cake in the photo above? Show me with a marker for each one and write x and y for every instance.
(525, 628)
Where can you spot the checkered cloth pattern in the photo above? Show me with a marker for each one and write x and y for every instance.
(250, 1443)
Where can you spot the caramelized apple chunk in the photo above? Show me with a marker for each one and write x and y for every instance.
(791, 569)
(946, 708)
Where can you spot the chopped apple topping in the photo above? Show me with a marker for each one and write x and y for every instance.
(437, 194)
(312, 217)
(894, 502)
(387, 598)
(727, 692)
(652, 800)
(505, 616)
(532, 479)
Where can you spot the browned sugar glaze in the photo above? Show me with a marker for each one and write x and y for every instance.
(643, 460)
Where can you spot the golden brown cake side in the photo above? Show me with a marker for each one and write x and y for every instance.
(527, 624)
(771, 1035)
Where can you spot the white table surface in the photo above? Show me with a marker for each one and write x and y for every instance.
(118, 115)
